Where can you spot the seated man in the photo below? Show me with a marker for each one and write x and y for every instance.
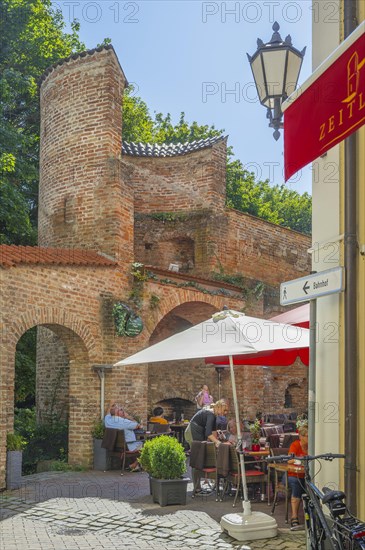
(118, 419)
(157, 417)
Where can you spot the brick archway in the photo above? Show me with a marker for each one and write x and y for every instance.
(55, 316)
(83, 395)
(183, 296)
(181, 380)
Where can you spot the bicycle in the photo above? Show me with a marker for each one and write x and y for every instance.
(345, 532)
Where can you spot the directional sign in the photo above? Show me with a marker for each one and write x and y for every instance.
(313, 286)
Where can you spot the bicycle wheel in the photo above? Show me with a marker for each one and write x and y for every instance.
(314, 531)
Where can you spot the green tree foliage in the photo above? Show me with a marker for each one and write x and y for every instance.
(15, 224)
(137, 121)
(277, 204)
(25, 368)
(140, 126)
(32, 37)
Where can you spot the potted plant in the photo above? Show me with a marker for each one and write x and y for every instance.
(255, 430)
(100, 454)
(15, 444)
(163, 458)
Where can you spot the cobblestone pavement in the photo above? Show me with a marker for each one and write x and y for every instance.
(95, 512)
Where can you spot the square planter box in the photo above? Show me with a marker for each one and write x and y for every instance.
(14, 469)
(169, 491)
(100, 456)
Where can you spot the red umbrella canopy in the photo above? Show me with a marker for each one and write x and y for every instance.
(280, 357)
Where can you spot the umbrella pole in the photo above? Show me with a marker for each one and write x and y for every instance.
(246, 503)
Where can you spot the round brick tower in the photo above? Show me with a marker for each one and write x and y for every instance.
(83, 199)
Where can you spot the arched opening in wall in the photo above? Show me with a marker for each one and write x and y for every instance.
(293, 396)
(178, 251)
(175, 384)
(175, 408)
(45, 361)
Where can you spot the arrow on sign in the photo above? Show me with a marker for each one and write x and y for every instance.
(306, 287)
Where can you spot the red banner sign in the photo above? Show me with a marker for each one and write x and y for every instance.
(328, 111)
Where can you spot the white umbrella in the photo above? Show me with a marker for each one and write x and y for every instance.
(226, 333)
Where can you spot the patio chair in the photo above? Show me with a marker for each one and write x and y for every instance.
(288, 439)
(115, 444)
(274, 440)
(253, 475)
(208, 472)
(156, 428)
(280, 481)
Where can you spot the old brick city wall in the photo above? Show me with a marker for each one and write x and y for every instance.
(99, 211)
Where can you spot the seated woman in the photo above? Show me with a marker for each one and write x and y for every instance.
(296, 479)
(231, 434)
(157, 417)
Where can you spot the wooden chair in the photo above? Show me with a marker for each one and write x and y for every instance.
(288, 440)
(280, 481)
(274, 440)
(157, 428)
(115, 444)
(253, 475)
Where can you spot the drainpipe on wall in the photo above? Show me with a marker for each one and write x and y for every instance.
(100, 369)
(351, 340)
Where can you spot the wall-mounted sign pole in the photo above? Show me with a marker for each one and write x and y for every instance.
(306, 288)
(312, 381)
(312, 286)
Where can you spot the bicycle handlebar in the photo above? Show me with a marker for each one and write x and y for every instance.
(308, 458)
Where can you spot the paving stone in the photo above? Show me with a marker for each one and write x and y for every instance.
(150, 527)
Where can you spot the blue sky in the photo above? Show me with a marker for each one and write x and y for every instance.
(189, 55)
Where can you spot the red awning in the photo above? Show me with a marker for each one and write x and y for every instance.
(280, 357)
(298, 317)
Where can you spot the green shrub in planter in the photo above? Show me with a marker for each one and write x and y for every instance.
(98, 429)
(164, 459)
(15, 442)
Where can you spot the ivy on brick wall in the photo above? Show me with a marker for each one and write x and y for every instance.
(126, 321)
(176, 216)
(197, 286)
(239, 280)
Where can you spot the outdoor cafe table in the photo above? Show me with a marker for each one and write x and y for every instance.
(260, 454)
(141, 435)
(280, 467)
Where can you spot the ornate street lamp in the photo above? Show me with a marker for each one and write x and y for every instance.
(275, 67)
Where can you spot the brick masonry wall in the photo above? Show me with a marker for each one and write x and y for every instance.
(74, 303)
(182, 183)
(233, 242)
(88, 195)
(251, 245)
(84, 200)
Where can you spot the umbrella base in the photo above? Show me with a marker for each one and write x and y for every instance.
(249, 527)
